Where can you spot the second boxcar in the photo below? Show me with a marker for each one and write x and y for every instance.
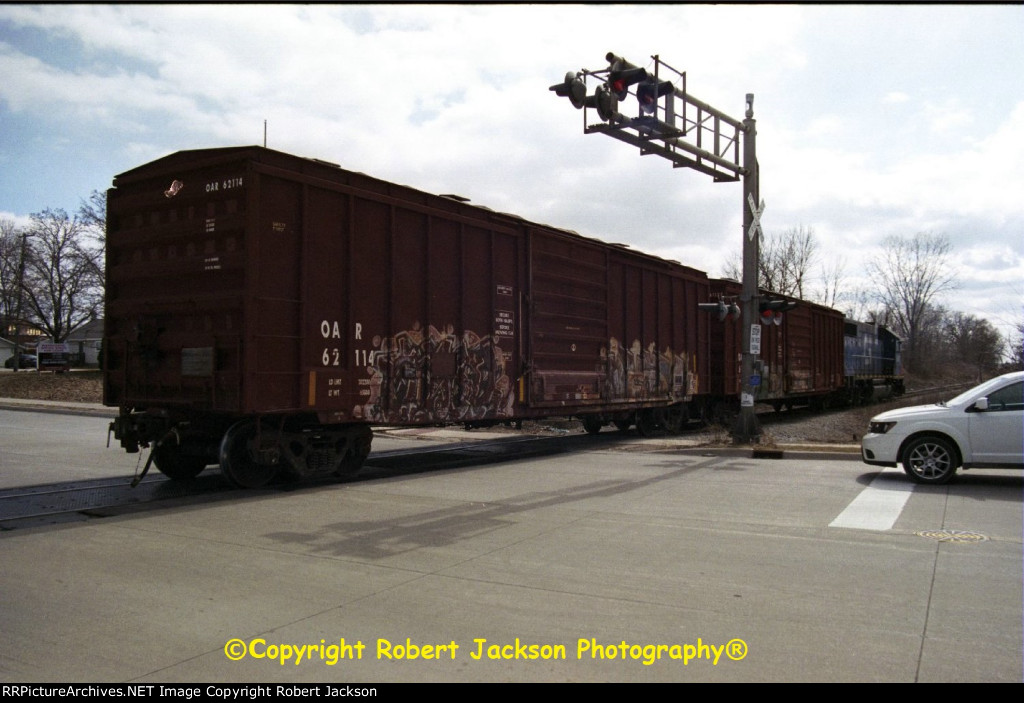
(801, 359)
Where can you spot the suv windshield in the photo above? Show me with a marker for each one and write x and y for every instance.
(981, 389)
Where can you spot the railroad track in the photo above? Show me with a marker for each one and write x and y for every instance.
(80, 500)
(765, 412)
(944, 391)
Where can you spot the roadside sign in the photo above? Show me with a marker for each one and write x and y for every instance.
(51, 356)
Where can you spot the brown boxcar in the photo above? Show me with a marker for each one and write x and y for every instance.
(264, 310)
(801, 360)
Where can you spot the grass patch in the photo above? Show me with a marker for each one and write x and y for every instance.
(73, 386)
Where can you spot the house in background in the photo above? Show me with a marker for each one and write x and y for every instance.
(25, 334)
(85, 343)
(6, 350)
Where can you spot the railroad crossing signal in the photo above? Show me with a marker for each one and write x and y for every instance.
(771, 310)
(604, 99)
(755, 212)
(606, 102)
(691, 134)
(670, 123)
(648, 93)
(619, 79)
(721, 310)
(573, 88)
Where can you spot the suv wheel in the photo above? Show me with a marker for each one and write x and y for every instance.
(930, 460)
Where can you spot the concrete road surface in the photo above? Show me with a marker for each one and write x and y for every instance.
(626, 561)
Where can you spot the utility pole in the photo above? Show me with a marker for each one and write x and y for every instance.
(690, 133)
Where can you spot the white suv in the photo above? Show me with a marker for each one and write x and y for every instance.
(981, 428)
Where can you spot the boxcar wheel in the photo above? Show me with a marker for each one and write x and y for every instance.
(646, 422)
(591, 424)
(353, 461)
(176, 465)
(238, 461)
(674, 419)
(622, 425)
(930, 460)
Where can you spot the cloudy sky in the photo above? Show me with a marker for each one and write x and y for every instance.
(871, 121)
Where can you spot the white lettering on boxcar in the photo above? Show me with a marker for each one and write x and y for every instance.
(224, 184)
(362, 357)
(330, 330)
(331, 357)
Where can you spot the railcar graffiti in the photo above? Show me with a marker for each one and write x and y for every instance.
(437, 377)
(649, 374)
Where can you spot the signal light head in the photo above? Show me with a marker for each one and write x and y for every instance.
(648, 92)
(771, 310)
(605, 101)
(573, 88)
(619, 80)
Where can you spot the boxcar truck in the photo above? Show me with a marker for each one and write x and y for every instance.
(264, 311)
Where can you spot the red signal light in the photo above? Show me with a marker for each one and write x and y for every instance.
(648, 92)
(619, 80)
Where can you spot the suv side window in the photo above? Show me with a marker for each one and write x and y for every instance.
(1009, 398)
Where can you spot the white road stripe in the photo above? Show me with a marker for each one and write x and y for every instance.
(879, 505)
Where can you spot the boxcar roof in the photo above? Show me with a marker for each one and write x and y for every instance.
(198, 158)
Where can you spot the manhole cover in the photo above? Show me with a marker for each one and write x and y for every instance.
(952, 535)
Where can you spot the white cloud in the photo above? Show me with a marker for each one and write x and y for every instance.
(947, 117)
(20, 221)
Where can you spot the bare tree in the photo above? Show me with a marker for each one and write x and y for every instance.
(786, 260)
(859, 304)
(784, 263)
(62, 282)
(973, 341)
(10, 278)
(92, 213)
(1016, 347)
(911, 273)
(733, 267)
(833, 276)
(932, 343)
